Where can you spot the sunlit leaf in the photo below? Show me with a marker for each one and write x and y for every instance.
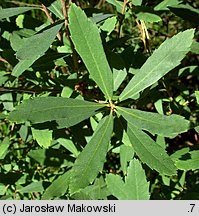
(197, 96)
(56, 8)
(148, 17)
(91, 160)
(135, 186)
(168, 126)
(32, 187)
(36, 45)
(58, 187)
(65, 111)
(9, 12)
(89, 46)
(164, 59)
(150, 152)
(43, 137)
(126, 154)
(163, 5)
(22, 66)
(190, 161)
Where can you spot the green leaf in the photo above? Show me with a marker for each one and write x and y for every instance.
(97, 191)
(197, 96)
(36, 45)
(148, 17)
(163, 5)
(90, 162)
(65, 111)
(22, 66)
(118, 77)
(16, 41)
(197, 129)
(118, 4)
(150, 152)
(179, 153)
(86, 38)
(195, 47)
(38, 155)
(135, 187)
(119, 69)
(168, 126)
(32, 187)
(43, 137)
(126, 154)
(109, 25)
(56, 8)
(137, 2)
(4, 145)
(98, 18)
(191, 163)
(69, 145)
(186, 12)
(58, 187)
(9, 12)
(164, 59)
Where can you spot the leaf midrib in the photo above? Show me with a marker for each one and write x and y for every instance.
(155, 68)
(62, 107)
(148, 150)
(90, 50)
(96, 149)
(142, 119)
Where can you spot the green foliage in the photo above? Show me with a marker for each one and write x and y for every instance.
(168, 126)
(78, 101)
(65, 111)
(90, 48)
(9, 12)
(135, 187)
(91, 160)
(150, 152)
(164, 59)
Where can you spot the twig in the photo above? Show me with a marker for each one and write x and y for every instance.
(65, 13)
(7, 89)
(124, 7)
(100, 4)
(67, 34)
(24, 4)
(45, 9)
(3, 60)
(122, 18)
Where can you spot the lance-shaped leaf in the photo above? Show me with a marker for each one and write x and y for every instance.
(150, 152)
(9, 12)
(168, 126)
(56, 8)
(165, 58)
(86, 38)
(90, 162)
(32, 187)
(65, 111)
(58, 187)
(135, 187)
(22, 66)
(189, 163)
(36, 45)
